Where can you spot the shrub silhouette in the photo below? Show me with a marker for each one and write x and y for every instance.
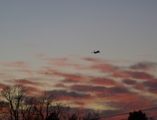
(137, 116)
(53, 116)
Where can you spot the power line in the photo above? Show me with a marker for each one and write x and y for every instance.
(127, 113)
(137, 103)
(150, 109)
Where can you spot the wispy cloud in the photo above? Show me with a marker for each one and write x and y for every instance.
(132, 74)
(14, 64)
(33, 91)
(129, 81)
(101, 65)
(118, 87)
(144, 66)
(60, 85)
(57, 61)
(27, 82)
(103, 81)
(29, 45)
(70, 95)
(66, 77)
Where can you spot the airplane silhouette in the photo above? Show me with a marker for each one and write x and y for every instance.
(95, 52)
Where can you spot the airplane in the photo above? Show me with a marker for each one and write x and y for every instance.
(95, 52)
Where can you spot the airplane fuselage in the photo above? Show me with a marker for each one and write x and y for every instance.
(95, 52)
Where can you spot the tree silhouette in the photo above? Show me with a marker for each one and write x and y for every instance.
(15, 96)
(43, 104)
(53, 116)
(4, 110)
(73, 117)
(137, 116)
(58, 112)
(15, 104)
(27, 109)
(94, 115)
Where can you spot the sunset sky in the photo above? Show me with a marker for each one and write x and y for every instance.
(47, 45)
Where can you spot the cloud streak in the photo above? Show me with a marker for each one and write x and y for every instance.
(27, 82)
(118, 87)
(144, 66)
(18, 64)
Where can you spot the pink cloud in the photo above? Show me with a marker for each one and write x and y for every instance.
(131, 103)
(27, 82)
(151, 86)
(70, 95)
(144, 66)
(114, 87)
(119, 96)
(92, 59)
(47, 71)
(57, 61)
(2, 86)
(14, 64)
(60, 85)
(28, 72)
(132, 74)
(97, 60)
(97, 64)
(129, 81)
(73, 77)
(31, 91)
(110, 87)
(101, 65)
(65, 76)
(100, 91)
(104, 67)
(41, 55)
(63, 62)
(140, 87)
(103, 81)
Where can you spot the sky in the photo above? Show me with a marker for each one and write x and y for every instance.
(48, 45)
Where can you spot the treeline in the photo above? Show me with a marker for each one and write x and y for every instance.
(16, 104)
